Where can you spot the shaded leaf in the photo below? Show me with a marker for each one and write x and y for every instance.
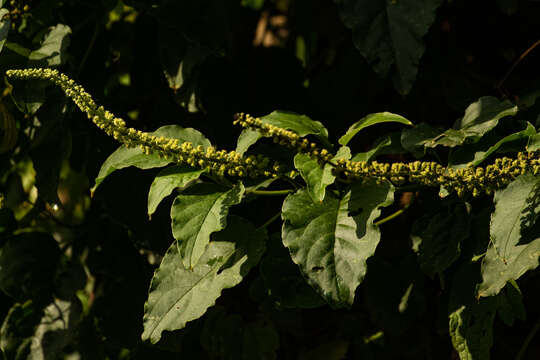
(369, 120)
(389, 34)
(32, 274)
(253, 4)
(465, 157)
(300, 124)
(470, 320)
(231, 337)
(178, 295)
(332, 240)
(40, 334)
(284, 280)
(480, 117)
(124, 157)
(167, 180)
(515, 235)
(198, 212)
(438, 237)
(510, 305)
(318, 177)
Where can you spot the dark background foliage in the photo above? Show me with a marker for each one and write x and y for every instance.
(237, 56)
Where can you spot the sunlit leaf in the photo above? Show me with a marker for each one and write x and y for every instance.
(124, 157)
(515, 235)
(370, 120)
(198, 212)
(332, 240)
(178, 295)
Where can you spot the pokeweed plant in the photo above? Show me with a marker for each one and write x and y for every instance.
(329, 218)
(391, 240)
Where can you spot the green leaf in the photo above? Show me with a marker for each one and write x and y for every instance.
(124, 157)
(28, 262)
(369, 120)
(179, 176)
(198, 212)
(368, 155)
(285, 284)
(318, 177)
(515, 235)
(300, 124)
(470, 320)
(178, 295)
(534, 143)
(5, 25)
(53, 48)
(480, 117)
(332, 240)
(439, 236)
(464, 157)
(389, 34)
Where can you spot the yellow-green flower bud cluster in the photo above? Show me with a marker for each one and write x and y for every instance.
(220, 162)
(283, 137)
(470, 180)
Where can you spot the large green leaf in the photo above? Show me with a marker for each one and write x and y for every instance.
(332, 240)
(300, 124)
(480, 117)
(124, 157)
(53, 48)
(198, 212)
(178, 294)
(318, 177)
(515, 235)
(167, 180)
(438, 237)
(389, 33)
(465, 156)
(369, 120)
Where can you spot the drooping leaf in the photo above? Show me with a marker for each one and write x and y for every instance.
(124, 157)
(534, 143)
(389, 33)
(515, 235)
(332, 240)
(5, 25)
(368, 155)
(167, 180)
(465, 157)
(53, 48)
(282, 278)
(439, 237)
(318, 177)
(369, 120)
(32, 274)
(198, 212)
(178, 295)
(300, 124)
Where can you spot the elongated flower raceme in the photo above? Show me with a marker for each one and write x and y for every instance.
(220, 162)
(466, 180)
